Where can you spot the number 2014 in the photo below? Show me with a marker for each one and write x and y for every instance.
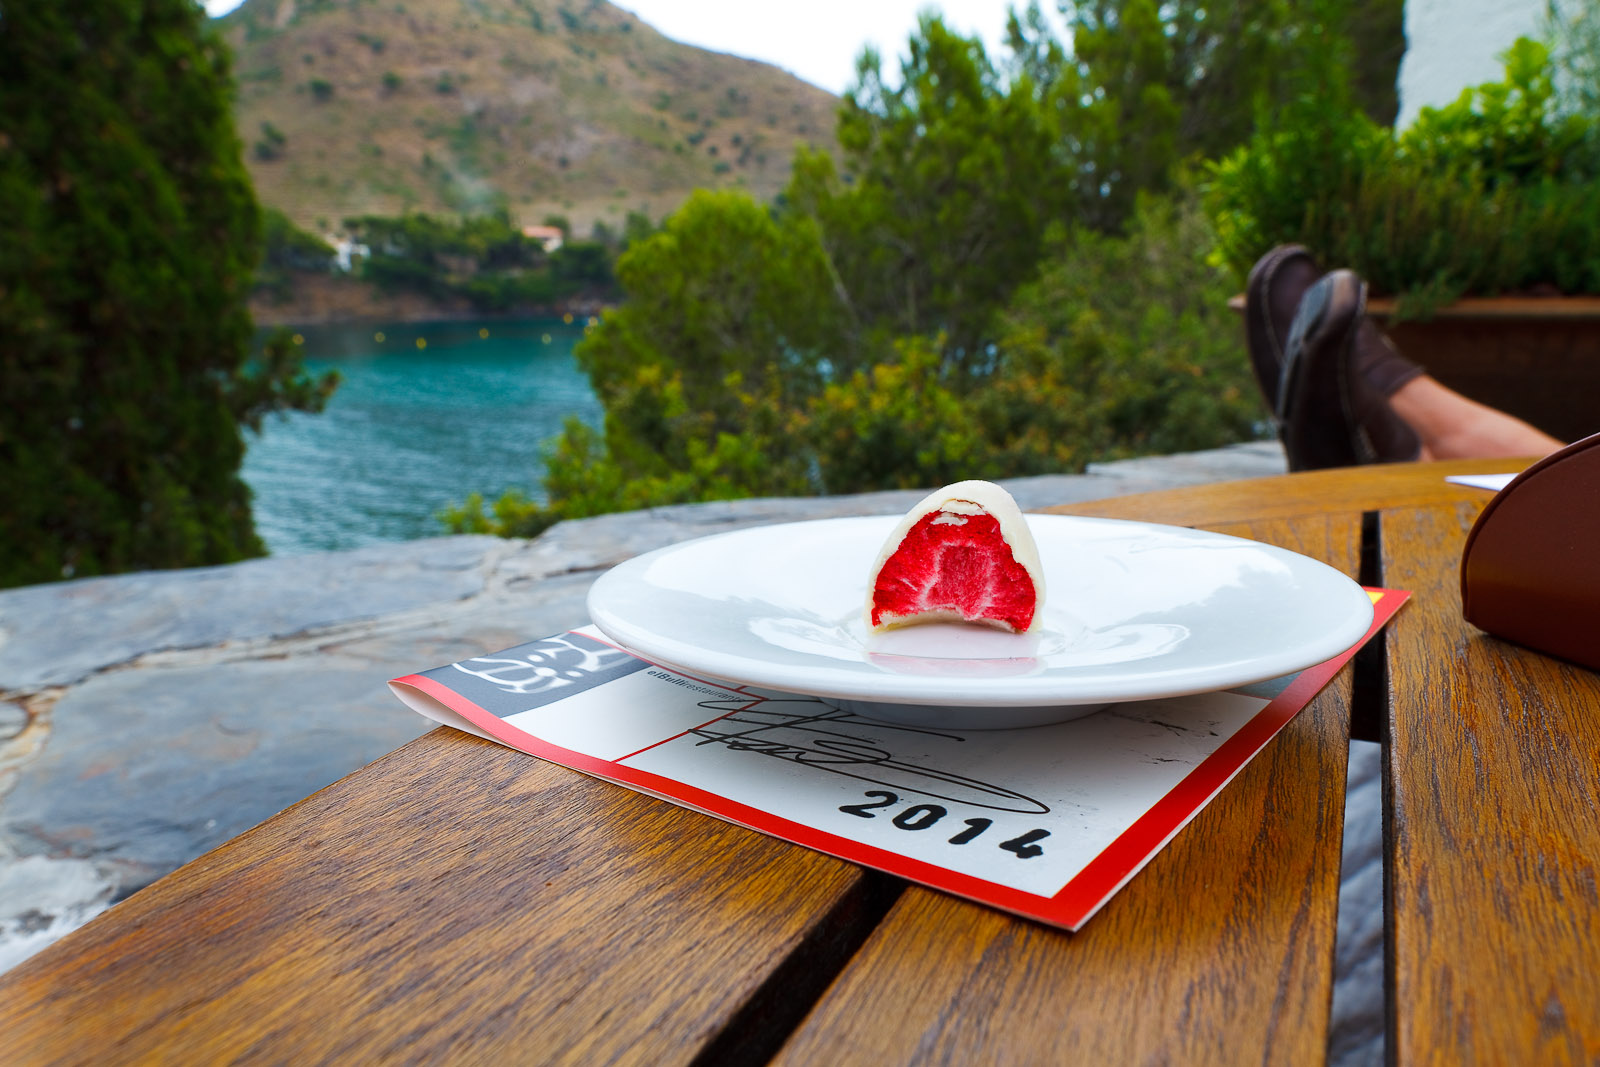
(923, 816)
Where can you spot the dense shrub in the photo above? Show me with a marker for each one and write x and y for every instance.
(1132, 343)
(128, 241)
(1496, 192)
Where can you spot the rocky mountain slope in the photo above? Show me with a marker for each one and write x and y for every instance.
(570, 107)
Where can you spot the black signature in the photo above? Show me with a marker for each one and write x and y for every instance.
(842, 743)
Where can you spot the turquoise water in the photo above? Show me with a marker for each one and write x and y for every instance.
(412, 429)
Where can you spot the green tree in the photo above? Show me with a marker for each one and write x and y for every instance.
(953, 173)
(1150, 84)
(1005, 273)
(727, 319)
(951, 179)
(1125, 345)
(128, 243)
(706, 370)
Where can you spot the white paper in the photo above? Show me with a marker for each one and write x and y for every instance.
(1047, 822)
(1492, 482)
(1024, 809)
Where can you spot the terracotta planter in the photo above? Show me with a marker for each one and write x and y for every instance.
(1535, 357)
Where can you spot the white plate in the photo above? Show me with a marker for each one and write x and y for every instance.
(1132, 611)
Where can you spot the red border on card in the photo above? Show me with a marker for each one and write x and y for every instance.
(1070, 907)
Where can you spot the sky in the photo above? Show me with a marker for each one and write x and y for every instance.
(817, 40)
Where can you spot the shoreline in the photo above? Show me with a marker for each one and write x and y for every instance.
(319, 299)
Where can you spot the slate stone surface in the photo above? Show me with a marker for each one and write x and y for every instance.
(147, 769)
(43, 899)
(59, 633)
(13, 717)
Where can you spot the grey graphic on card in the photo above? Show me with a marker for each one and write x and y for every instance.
(538, 673)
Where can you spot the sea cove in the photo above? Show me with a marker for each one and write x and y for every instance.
(427, 413)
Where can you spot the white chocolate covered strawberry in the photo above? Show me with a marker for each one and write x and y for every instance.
(964, 554)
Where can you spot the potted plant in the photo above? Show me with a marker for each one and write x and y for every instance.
(1477, 229)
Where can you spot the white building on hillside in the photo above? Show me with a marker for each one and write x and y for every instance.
(548, 236)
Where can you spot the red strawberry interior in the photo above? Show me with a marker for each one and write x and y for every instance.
(959, 564)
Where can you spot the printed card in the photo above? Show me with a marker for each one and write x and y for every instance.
(1047, 821)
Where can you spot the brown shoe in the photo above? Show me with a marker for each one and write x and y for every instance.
(1316, 418)
(1328, 413)
(1271, 296)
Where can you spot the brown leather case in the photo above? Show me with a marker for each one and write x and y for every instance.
(1530, 572)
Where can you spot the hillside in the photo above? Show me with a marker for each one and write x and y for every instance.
(570, 107)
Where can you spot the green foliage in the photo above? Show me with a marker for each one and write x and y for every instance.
(285, 249)
(1132, 341)
(897, 425)
(1505, 133)
(1147, 85)
(1006, 273)
(1376, 33)
(275, 382)
(728, 317)
(636, 226)
(483, 259)
(1493, 193)
(953, 175)
(128, 239)
(716, 383)
(704, 371)
(272, 143)
(1573, 29)
(951, 180)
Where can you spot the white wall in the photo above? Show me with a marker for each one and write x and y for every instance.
(1451, 44)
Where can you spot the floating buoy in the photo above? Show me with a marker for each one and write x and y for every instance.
(422, 342)
(484, 332)
(378, 337)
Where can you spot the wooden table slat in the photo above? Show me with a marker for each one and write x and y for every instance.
(1493, 790)
(1191, 962)
(454, 901)
(1342, 491)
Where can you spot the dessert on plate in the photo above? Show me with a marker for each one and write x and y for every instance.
(964, 554)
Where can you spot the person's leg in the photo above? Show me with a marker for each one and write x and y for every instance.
(1453, 427)
(1381, 406)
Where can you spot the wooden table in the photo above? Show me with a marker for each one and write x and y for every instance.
(413, 912)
